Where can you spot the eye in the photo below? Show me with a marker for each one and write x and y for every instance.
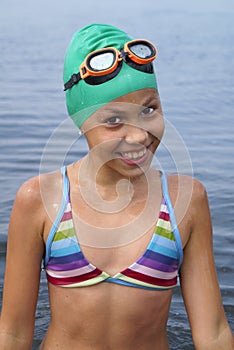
(113, 121)
(148, 111)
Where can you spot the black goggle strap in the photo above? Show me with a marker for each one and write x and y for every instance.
(75, 78)
(93, 80)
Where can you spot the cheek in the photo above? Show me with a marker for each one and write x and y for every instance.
(103, 150)
(95, 138)
(161, 129)
(102, 135)
(157, 129)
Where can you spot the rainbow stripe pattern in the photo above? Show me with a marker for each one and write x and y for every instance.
(156, 269)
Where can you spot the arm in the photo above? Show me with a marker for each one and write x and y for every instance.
(25, 250)
(199, 283)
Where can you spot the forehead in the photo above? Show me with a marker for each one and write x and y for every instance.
(137, 97)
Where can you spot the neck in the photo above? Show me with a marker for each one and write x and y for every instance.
(104, 184)
(107, 191)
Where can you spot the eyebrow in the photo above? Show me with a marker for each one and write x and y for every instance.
(150, 99)
(114, 111)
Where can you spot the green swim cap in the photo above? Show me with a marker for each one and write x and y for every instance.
(84, 99)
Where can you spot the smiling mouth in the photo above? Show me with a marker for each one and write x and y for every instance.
(135, 157)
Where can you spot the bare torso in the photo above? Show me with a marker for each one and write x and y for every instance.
(107, 316)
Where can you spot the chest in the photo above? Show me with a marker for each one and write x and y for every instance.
(116, 257)
(116, 237)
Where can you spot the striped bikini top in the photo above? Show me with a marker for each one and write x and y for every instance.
(156, 269)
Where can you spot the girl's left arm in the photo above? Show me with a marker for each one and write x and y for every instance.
(199, 283)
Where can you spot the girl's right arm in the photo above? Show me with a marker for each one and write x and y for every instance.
(25, 250)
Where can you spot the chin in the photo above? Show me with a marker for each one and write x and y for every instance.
(129, 171)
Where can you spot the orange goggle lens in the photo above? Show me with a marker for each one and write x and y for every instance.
(140, 51)
(100, 62)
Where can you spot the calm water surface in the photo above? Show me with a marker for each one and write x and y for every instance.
(195, 74)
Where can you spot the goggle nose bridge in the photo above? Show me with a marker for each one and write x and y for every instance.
(123, 54)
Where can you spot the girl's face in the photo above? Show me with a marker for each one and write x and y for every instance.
(124, 134)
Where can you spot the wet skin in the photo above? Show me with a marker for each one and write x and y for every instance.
(122, 137)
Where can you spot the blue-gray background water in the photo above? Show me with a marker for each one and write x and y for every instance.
(195, 75)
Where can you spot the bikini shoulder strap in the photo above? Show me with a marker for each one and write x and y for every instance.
(172, 215)
(59, 216)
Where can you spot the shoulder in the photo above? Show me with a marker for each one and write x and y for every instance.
(28, 195)
(35, 189)
(35, 197)
(190, 190)
(186, 187)
(185, 180)
(189, 200)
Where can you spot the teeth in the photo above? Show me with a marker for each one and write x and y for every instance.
(134, 155)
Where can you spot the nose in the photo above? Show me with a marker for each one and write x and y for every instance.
(135, 134)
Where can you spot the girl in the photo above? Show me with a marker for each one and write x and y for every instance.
(113, 232)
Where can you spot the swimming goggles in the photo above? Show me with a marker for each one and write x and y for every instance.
(104, 64)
